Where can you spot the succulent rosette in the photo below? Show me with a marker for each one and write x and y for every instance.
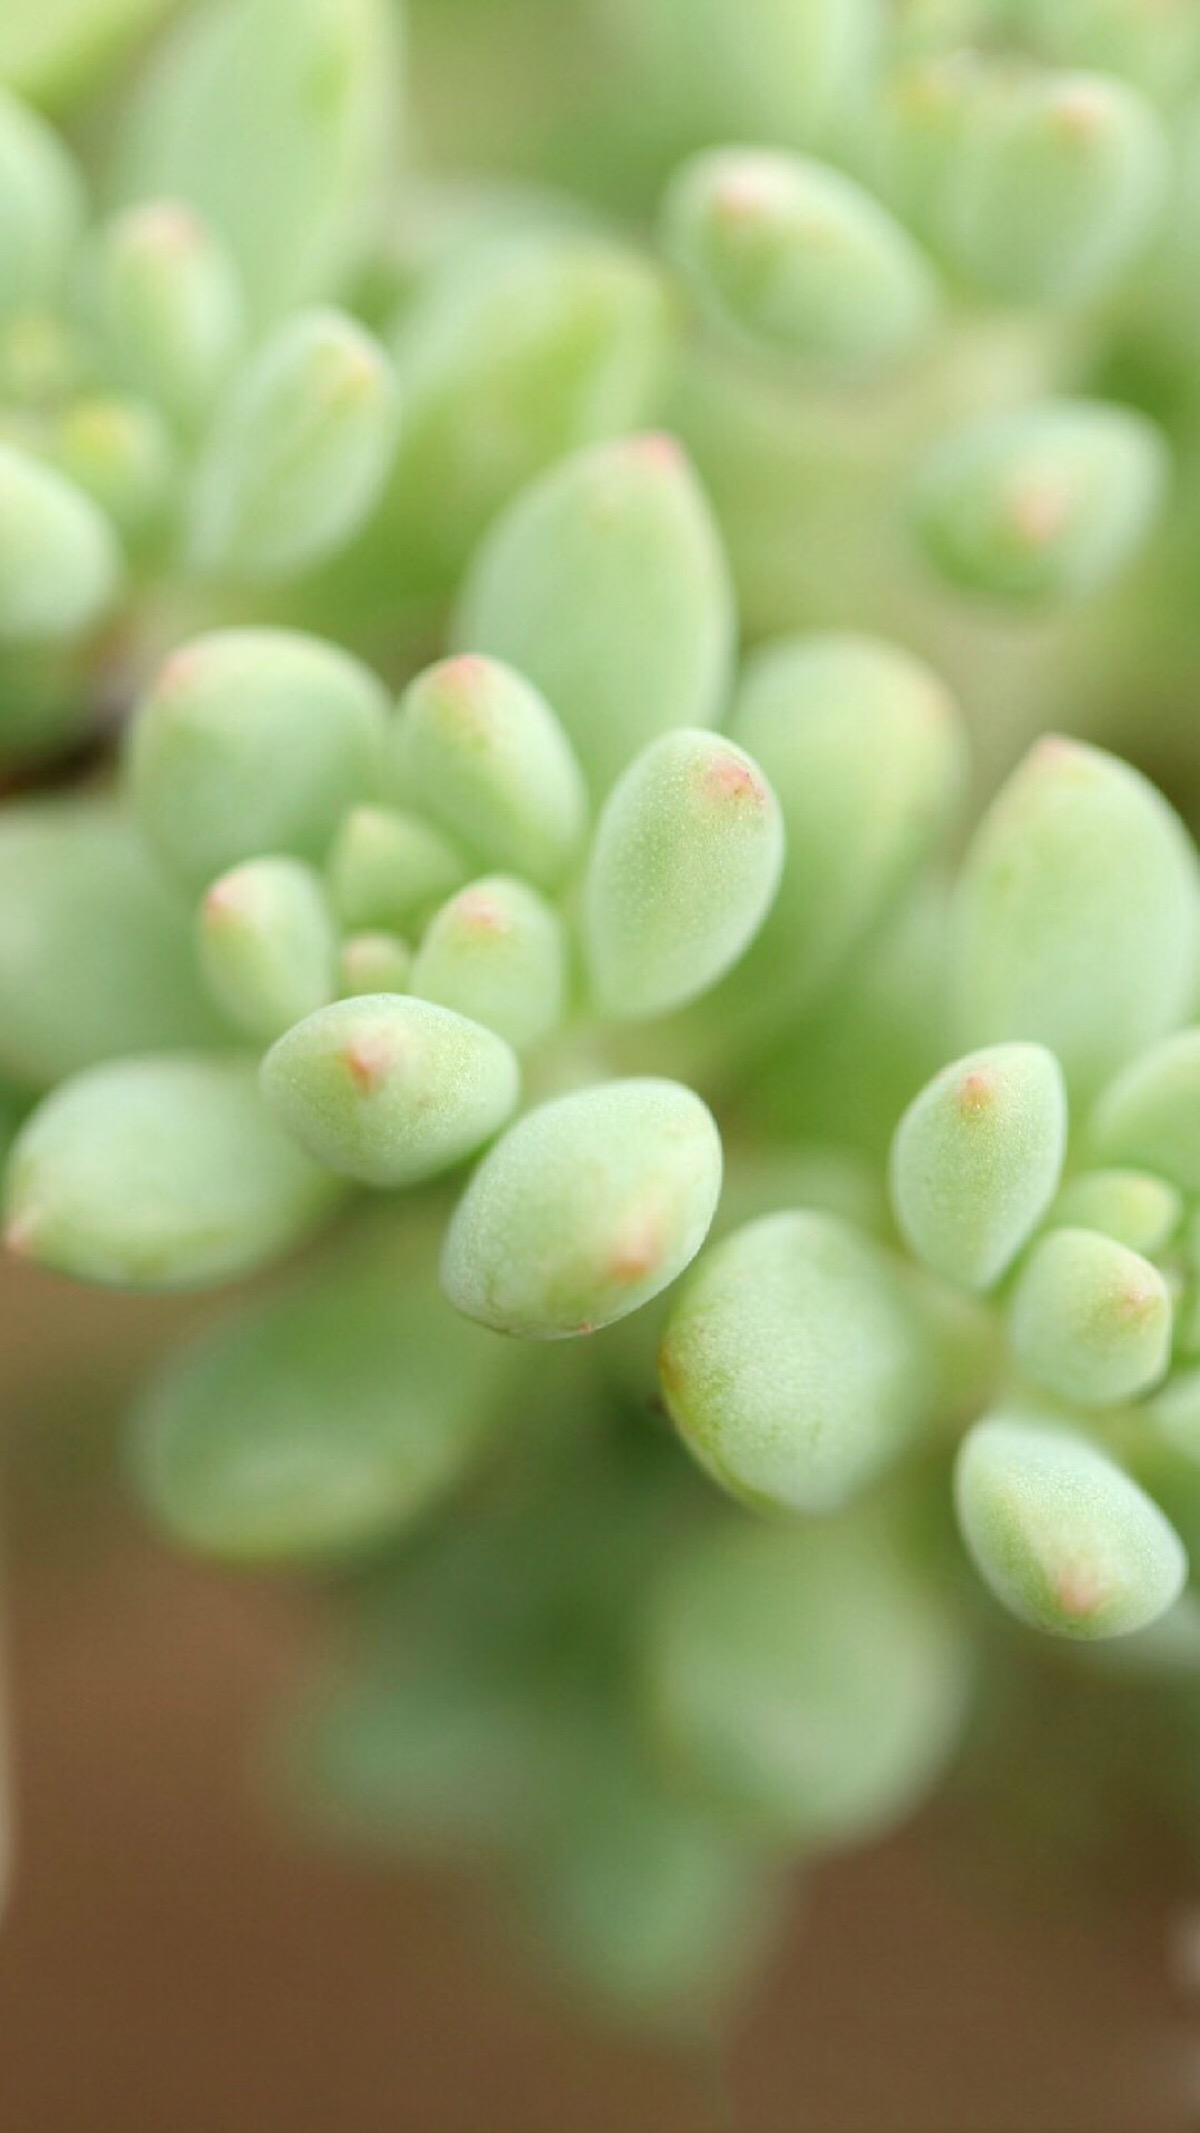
(528, 828)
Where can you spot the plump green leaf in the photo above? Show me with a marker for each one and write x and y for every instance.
(299, 451)
(268, 945)
(798, 259)
(650, 646)
(118, 451)
(374, 962)
(1133, 1206)
(389, 868)
(323, 1420)
(866, 750)
(497, 952)
(685, 862)
(168, 306)
(480, 750)
(1151, 1113)
(60, 561)
(1055, 186)
(776, 70)
(274, 118)
(390, 1090)
(977, 1158)
(1061, 1534)
(794, 1364)
(1077, 914)
(508, 357)
(42, 205)
(159, 1173)
(1042, 505)
(585, 1209)
(250, 741)
(95, 954)
(1090, 1319)
(807, 1683)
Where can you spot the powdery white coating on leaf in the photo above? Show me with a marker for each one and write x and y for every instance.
(685, 862)
(977, 1158)
(1077, 918)
(586, 1208)
(1061, 1534)
(388, 1089)
(482, 752)
(159, 1173)
(252, 741)
(1090, 1319)
(651, 646)
(793, 1364)
(799, 258)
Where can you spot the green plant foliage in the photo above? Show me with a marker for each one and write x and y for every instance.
(650, 648)
(597, 734)
(587, 1208)
(977, 1159)
(1063, 1536)
(799, 260)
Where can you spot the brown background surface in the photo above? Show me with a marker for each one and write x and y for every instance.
(174, 1960)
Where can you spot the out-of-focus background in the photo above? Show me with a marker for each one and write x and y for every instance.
(176, 1956)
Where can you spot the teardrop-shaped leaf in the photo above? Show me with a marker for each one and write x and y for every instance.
(159, 1173)
(650, 646)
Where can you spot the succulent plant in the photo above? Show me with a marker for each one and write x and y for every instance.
(495, 685)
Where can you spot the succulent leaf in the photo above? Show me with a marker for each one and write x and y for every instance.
(799, 259)
(1042, 505)
(806, 1683)
(390, 1090)
(683, 868)
(497, 952)
(169, 307)
(588, 1207)
(1061, 1534)
(159, 1173)
(319, 1422)
(250, 741)
(268, 946)
(650, 647)
(1090, 1319)
(794, 1363)
(977, 1158)
(481, 752)
(1077, 914)
(299, 452)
